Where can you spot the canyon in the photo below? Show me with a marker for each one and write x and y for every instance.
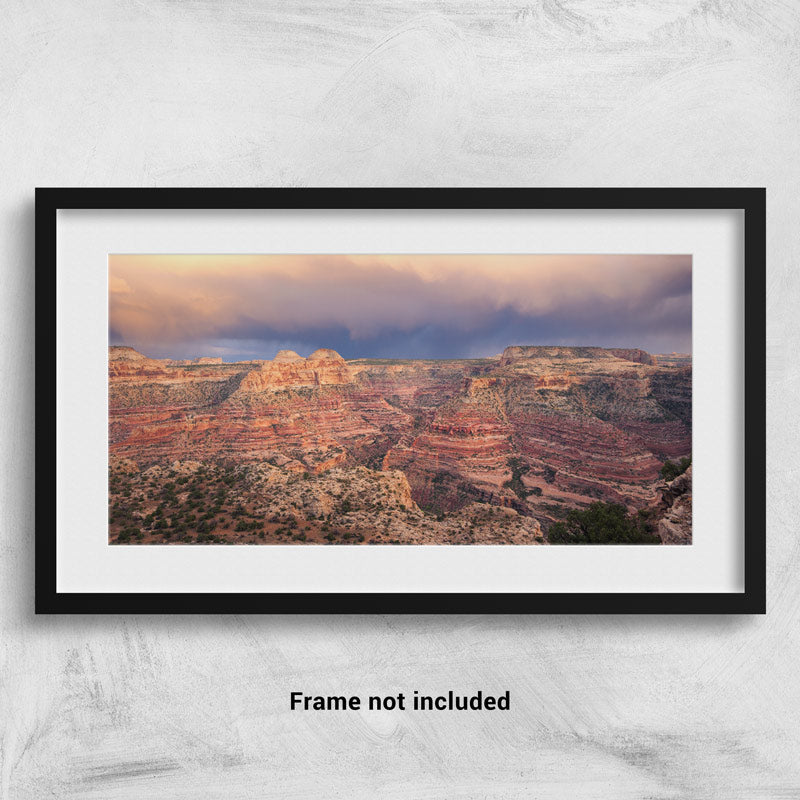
(327, 450)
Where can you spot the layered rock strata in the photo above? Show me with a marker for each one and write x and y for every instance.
(536, 431)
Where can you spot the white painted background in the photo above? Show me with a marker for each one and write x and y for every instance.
(559, 92)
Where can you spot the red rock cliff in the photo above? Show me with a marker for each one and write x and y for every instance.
(538, 430)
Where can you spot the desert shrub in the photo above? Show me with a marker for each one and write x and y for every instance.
(602, 523)
(126, 534)
(672, 469)
(518, 469)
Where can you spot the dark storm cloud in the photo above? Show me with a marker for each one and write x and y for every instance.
(397, 305)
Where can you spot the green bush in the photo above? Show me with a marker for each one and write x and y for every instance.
(602, 523)
(672, 469)
(126, 534)
(518, 469)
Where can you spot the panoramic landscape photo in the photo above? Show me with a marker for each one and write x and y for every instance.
(400, 399)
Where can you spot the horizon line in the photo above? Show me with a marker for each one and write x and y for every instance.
(411, 358)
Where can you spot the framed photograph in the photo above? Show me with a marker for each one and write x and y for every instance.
(400, 401)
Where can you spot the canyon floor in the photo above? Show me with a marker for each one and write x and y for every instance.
(320, 450)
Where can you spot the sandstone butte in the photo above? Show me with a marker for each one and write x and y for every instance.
(530, 433)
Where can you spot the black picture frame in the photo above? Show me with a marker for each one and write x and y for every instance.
(751, 201)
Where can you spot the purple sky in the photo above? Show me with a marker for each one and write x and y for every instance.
(396, 306)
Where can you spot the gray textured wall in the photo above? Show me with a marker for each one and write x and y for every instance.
(558, 92)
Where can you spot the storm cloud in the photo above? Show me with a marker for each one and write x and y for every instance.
(398, 306)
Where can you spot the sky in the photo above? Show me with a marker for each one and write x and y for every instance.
(244, 307)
